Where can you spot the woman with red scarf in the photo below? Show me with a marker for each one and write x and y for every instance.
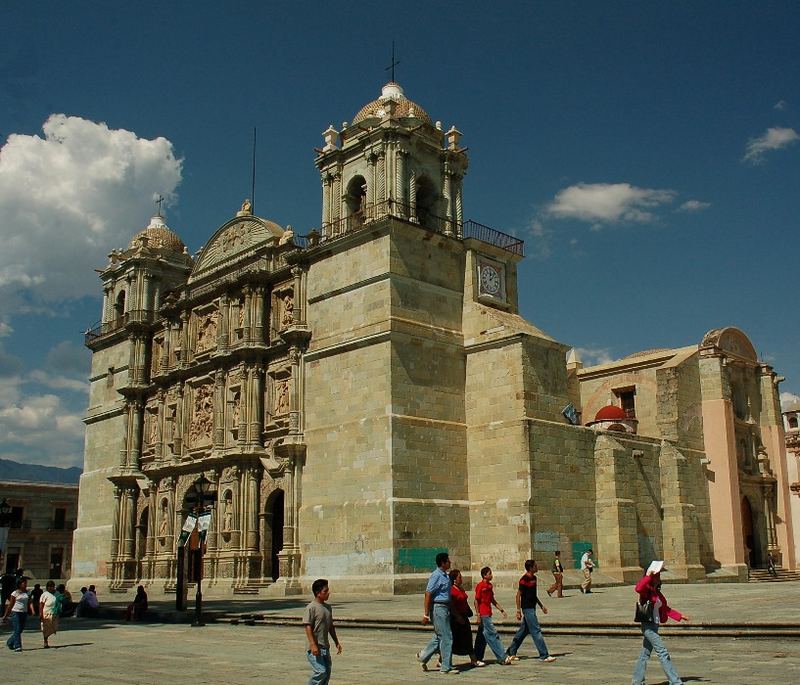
(649, 589)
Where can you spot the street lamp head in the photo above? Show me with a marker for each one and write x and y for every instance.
(202, 485)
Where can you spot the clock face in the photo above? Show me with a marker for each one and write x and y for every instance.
(490, 280)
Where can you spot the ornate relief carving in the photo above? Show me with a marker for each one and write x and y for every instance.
(287, 310)
(235, 236)
(206, 332)
(241, 311)
(227, 513)
(152, 430)
(281, 399)
(202, 415)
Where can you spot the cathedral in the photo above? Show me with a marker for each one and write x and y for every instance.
(367, 395)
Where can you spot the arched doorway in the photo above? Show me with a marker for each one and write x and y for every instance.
(751, 552)
(273, 538)
(426, 204)
(356, 200)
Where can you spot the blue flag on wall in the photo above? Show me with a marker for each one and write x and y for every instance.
(570, 414)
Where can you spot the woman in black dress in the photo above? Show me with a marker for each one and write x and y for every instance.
(460, 614)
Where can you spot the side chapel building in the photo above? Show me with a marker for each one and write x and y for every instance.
(368, 395)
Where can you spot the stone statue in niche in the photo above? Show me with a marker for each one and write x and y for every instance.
(152, 436)
(241, 312)
(202, 415)
(227, 516)
(207, 333)
(287, 318)
(155, 356)
(281, 397)
(163, 528)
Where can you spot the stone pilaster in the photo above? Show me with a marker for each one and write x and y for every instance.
(617, 545)
(219, 410)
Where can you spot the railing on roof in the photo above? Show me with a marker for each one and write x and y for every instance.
(133, 316)
(362, 219)
(472, 229)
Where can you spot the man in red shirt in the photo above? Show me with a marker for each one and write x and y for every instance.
(487, 633)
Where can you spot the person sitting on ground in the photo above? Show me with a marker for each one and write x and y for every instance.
(67, 605)
(138, 607)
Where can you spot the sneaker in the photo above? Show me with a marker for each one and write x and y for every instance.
(588, 592)
(513, 657)
(479, 663)
(549, 659)
(18, 649)
(507, 661)
(422, 664)
(452, 671)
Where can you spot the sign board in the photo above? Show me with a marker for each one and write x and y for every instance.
(204, 523)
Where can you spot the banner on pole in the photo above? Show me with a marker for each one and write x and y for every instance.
(204, 523)
(190, 523)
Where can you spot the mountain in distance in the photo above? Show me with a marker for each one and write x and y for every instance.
(14, 470)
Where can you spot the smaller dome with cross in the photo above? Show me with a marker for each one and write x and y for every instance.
(157, 236)
(403, 107)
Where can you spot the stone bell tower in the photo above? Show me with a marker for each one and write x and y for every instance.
(135, 283)
(392, 159)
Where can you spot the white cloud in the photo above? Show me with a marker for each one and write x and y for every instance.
(5, 329)
(67, 199)
(781, 105)
(593, 356)
(57, 382)
(773, 139)
(694, 206)
(608, 203)
(540, 239)
(788, 398)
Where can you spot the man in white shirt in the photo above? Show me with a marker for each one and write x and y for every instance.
(586, 566)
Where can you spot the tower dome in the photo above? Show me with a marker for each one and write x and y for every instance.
(157, 235)
(403, 106)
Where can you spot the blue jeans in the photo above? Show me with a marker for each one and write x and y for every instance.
(652, 641)
(529, 626)
(18, 619)
(487, 635)
(320, 667)
(442, 641)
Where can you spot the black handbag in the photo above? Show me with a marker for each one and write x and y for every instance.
(644, 612)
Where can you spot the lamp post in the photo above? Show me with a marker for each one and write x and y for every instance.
(202, 486)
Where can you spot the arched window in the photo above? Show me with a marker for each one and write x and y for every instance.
(793, 422)
(119, 306)
(356, 200)
(426, 204)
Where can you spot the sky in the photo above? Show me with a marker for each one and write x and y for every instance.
(648, 153)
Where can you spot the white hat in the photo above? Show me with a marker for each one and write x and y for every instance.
(655, 567)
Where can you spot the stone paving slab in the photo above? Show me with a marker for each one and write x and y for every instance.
(93, 652)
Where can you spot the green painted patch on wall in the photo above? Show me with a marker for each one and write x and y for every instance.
(579, 547)
(418, 558)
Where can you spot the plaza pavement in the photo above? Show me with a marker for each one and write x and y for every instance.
(109, 650)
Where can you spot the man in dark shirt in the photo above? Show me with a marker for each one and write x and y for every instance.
(527, 601)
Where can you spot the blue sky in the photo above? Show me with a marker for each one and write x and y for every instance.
(648, 153)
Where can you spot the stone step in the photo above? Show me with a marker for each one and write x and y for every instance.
(782, 576)
(752, 630)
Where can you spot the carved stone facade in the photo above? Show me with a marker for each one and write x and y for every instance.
(367, 395)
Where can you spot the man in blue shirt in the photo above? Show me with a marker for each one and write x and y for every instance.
(437, 600)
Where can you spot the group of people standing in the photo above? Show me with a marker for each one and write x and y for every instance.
(20, 604)
(446, 605)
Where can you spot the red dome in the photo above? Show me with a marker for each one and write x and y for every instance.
(610, 413)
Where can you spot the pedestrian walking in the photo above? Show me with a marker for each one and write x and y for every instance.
(487, 633)
(49, 610)
(587, 566)
(771, 565)
(318, 622)
(18, 607)
(460, 613)
(436, 609)
(527, 601)
(653, 605)
(558, 577)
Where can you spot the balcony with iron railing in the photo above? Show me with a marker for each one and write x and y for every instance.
(142, 316)
(365, 218)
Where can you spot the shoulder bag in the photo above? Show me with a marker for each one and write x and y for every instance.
(644, 612)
